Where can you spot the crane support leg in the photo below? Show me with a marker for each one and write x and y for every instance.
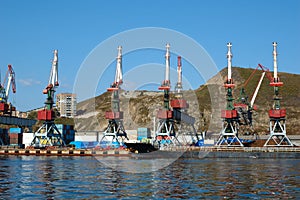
(229, 134)
(114, 133)
(165, 134)
(278, 135)
(47, 135)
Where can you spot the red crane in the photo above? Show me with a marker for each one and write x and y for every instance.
(230, 119)
(277, 115)
(243, 106)
(115, 128)
(166, 126)
(48, 134)
(5, 106)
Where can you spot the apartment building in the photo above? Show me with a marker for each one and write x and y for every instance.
(66, 104)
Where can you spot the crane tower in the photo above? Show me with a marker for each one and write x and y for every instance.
(115, 129)
(166, 126)
(185, 123)
(48, 134)
(230, 126)
(277, 115)
(172, 117)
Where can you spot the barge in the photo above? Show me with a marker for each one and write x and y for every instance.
(185, 152)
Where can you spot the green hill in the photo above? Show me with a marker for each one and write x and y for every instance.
(206, 102)
(289, 92)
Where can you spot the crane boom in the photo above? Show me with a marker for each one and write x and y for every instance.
(10, 76)
(268, 73)
(53, 79)
(166, 84)
(178, 87)
(119, 76)
(257, 89)
(265, 72)
(167, 74)
(229, 63)
(11, 81)
(275, 61)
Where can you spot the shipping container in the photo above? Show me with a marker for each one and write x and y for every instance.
(4, 136)
(143, 133)
(140, 138)
(143, 129)
(199, 143)
(86, 138)
(132, 134)
(69, 136)
(4, 106)
(84, 145)
(15, 138)
(15, 130)
(63, 127)
(27, 139)
(60, 126)
(68, 127)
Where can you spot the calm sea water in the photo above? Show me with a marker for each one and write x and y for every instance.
(30, 177)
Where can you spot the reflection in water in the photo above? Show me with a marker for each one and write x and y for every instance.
(4, 176)
(86, 178)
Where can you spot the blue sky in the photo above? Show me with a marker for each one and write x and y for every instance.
(32, 29)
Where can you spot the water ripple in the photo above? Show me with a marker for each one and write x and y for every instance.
(30, 177)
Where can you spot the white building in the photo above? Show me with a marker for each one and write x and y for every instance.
(66, 104)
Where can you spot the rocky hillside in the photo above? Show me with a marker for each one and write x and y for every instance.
(206, 102)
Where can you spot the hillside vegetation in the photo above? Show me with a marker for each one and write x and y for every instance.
(206, 102)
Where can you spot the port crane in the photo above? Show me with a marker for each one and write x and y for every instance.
(245, 107)
(48, 134)
(115, 128)
(5, 107)
(230, 119)
(180, 106)
(173, 111)
(277, 120)
(165, 132)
